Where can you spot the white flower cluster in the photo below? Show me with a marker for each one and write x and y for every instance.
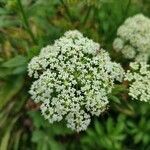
(139, 81)
(73, 79)
(134, 38)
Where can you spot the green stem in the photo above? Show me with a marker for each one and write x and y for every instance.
(67, 11)
(127, 9)
(26, 23)
(87, 15)
(125, 111)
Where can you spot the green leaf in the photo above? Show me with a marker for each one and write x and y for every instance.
(6, 21)
(17, 139)
(19, 70)
(98, 128)
(5, 140)
(118, 88)
(1, 59)
(5, 72)
(33, 52)
(3, 118)
(3, 11)
(110, 125)
(146, 139)
(138, 137)
(15, 62)
(115, 99)
(9, 89)
(55, 145)
(38, 120)
(120, 124)
(37, 136)
(91, 134)
(44, 140)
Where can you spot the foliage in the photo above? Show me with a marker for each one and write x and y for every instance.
(106, 135)
(28, 25)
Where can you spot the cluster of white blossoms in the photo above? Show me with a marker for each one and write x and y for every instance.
(73, 78)
(139, 81)
(133, 38)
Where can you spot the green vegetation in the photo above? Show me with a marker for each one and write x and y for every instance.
(28, 25)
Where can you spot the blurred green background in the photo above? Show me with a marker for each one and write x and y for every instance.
(28, 25)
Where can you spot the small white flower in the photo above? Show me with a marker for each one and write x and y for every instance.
(118, 44)
(133, 38)
(139, 81)
(73, 79)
